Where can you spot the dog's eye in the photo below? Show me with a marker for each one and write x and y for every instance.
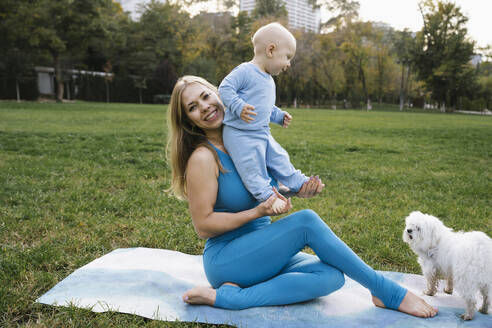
(418, 228)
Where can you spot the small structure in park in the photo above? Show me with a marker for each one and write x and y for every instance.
(46, 81)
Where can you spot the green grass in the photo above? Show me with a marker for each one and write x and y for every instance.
(79, 180)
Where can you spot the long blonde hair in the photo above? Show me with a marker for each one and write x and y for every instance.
(184, 137)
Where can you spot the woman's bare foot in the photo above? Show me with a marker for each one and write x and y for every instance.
(411, 304)
(202, 295)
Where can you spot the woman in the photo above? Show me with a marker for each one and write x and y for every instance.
(248, 260)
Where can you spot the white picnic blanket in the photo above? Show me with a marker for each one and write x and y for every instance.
(150, 282)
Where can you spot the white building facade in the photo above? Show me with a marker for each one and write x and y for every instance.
(301, 15)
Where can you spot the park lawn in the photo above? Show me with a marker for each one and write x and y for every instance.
(80, 180)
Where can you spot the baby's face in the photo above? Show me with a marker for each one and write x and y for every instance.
(282, 55)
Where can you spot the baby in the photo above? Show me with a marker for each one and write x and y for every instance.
(248, 93)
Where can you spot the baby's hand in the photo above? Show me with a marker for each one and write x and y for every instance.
(287, 119)
(247, 112)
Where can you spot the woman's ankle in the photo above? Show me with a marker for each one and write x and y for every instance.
(377, 302)
(230, 284)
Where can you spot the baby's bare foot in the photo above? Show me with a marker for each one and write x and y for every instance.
(411, 304)
(277, 206)
(200, 295)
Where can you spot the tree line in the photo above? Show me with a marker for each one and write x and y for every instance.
(351, 63)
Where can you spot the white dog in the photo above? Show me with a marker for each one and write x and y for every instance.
(463, 259)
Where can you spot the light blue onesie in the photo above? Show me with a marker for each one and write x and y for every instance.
(250, 145)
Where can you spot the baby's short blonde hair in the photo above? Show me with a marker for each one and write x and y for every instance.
(270, 33)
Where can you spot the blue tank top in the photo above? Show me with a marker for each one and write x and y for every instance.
(232, 196)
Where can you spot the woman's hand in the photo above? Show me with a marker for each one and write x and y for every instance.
(265, 208)
(311, 188)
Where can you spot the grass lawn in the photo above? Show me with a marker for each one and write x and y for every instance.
(80, 180)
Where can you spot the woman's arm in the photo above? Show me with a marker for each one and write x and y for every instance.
(202, 187)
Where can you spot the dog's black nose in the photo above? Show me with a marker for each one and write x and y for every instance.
(409, 230)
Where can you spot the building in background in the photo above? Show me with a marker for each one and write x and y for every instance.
(301, 15)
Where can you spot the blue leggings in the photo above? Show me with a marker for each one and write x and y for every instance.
(270, 268)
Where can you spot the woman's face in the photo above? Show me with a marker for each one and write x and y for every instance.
(202, 106)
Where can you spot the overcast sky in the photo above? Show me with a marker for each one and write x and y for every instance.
(405, 14)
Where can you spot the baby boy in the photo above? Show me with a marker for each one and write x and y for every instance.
(248, 93)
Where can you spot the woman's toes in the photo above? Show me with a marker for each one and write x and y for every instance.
(430, 310)
(416, 306)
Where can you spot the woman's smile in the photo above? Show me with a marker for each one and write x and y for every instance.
(212, 116)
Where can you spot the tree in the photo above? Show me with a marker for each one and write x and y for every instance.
(328, 75)
(62, 28)
(356, 49)
(486, 52)
(161, 44)
(242, 30)
(17, 64)
(485, 83)
(403, 44)
(224, 40)
(269, 8)
(295, 85)
(18, 57)
(106, 53)
(342, 10)
(443, 52)
(381, 62)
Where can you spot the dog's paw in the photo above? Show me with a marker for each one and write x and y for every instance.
(430, 292)
(467, 316)
(448, 290)
(484, 309)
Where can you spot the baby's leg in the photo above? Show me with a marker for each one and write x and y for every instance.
(278, 161)
(248, 152)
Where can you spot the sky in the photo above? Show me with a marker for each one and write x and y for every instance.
(402, 14)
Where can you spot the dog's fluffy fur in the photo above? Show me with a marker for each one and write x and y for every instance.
(463, 259)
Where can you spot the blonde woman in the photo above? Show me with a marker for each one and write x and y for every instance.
(248, 260)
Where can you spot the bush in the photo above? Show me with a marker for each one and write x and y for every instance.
(465, 103)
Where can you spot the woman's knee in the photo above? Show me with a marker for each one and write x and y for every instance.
(308, 217)
(311, 219)
(338, 280)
